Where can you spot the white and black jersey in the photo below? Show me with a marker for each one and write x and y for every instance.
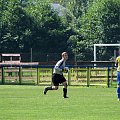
(59, 67)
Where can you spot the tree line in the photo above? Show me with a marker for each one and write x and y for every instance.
(53, 26)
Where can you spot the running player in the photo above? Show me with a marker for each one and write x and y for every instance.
(58, 77)
(118, 76)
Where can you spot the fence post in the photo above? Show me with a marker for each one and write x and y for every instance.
(69, 77)
(108, 82)
(20, 75)
(3, 76)
(111, 76)
(88, 76)
(38, 75)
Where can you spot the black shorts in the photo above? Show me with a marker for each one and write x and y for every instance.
(56, 79)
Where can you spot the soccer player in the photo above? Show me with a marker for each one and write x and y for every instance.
(58, 77)
(118, 76)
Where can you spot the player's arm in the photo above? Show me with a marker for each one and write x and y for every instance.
(116, 62)
(59, 67)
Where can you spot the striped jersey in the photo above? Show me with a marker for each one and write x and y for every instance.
(118, 61)
(59, 66)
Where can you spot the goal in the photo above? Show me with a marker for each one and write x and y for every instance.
(99, 45)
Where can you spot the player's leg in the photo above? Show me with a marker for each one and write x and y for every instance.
(50, 88)
(64, 83)
(55, 84)
(118, 92)
(118, 86)
(65, 89)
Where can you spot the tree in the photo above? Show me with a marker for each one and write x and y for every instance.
(33, 24)
(7, 7)
(100, 24)
(51, 30)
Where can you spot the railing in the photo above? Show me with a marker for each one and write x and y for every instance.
(41, 75)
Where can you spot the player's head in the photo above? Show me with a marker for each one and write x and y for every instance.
(64, 55)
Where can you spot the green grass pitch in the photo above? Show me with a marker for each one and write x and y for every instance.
(29, 103)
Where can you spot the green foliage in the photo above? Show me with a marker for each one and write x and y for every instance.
(77, 7)
(7, 8)
(73, 26)
(36, 25)
(51, 31)
(100, 25)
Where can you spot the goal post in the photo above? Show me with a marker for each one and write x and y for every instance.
(97, 45)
